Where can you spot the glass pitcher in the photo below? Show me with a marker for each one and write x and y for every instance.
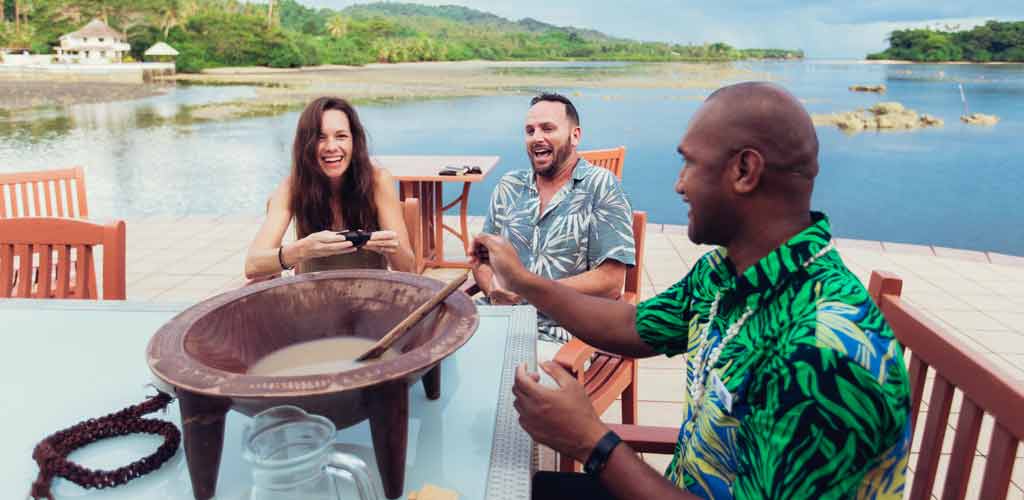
(293, 457)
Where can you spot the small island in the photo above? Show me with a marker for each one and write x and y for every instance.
(881, 116)
(993, 41)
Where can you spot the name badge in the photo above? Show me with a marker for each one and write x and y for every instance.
(723, 394)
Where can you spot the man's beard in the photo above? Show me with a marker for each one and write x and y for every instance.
(558, 157)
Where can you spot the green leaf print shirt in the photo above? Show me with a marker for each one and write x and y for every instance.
(810, 399)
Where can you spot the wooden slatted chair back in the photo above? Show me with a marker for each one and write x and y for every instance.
(635, 274)
(938, 357)
(612, 159)
(414, 226)
(609, 377)
(44, 193)
(64, 249)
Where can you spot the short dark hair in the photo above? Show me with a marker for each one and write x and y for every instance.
(570, 110)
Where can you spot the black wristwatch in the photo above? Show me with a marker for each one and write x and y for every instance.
(602, 451)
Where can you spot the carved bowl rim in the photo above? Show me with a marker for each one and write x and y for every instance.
(171, 363)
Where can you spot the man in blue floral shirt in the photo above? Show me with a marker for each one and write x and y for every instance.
(567, 219)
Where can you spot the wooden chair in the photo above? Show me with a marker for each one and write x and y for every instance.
(44, 193)
(413, 224)
(64, 248)
(612, 159)
(609, 375)
(985, 392)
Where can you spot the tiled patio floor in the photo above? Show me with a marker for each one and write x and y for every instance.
(978, 296)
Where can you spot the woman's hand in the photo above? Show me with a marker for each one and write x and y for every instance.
(383, 242)
(323, 244)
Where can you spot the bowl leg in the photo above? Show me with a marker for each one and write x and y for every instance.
(432, 382)
(202, 418)
(388, 406)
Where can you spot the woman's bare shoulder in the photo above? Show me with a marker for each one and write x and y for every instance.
(381, 174)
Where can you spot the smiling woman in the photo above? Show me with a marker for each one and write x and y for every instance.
(332, 187)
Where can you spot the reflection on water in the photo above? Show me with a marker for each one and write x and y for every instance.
(51, 123)
(951, 186)
(42, 128)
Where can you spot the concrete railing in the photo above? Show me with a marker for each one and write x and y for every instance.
(26, 59)
(123, 72)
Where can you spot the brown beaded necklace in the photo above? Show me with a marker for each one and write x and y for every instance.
(51, 453)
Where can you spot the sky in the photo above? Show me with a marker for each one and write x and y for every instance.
(823, 29)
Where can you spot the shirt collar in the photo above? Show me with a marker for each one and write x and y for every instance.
(778, 265)
(582, 169)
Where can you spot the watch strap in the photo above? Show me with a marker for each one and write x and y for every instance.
(601, 453)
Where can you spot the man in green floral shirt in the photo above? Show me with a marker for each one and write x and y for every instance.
(796, 387)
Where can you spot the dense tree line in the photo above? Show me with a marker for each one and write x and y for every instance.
(284, 33)
(992, 41)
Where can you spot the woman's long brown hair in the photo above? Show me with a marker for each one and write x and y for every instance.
(311, 192)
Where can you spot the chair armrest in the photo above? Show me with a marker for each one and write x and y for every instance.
(573, 355)
(648, 439)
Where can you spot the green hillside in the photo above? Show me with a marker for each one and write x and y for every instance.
(212, 33)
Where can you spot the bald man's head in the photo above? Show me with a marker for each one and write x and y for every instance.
(765, 117)
(751, 156)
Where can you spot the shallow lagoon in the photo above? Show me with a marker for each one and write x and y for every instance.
(957, 186)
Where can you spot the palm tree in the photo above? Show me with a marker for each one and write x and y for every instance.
(22, 9)
(171, 16)
(189, 8)
(337, 26)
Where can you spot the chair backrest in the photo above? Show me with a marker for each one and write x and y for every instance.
(64, 248)
(635, 274)
(44, 193)
(411, 213)
(612, 159)
(985, 392)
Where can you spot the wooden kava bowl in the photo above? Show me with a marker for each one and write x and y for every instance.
(202, 356)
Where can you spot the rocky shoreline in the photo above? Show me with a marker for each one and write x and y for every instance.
(281, 90)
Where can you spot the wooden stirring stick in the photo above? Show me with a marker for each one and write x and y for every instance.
(385, 342)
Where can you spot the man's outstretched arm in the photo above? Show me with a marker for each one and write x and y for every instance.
(604, 323)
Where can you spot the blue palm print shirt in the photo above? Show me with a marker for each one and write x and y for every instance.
(810, 399)
(586, 222)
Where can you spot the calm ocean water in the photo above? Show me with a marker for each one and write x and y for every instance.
(957, 186)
